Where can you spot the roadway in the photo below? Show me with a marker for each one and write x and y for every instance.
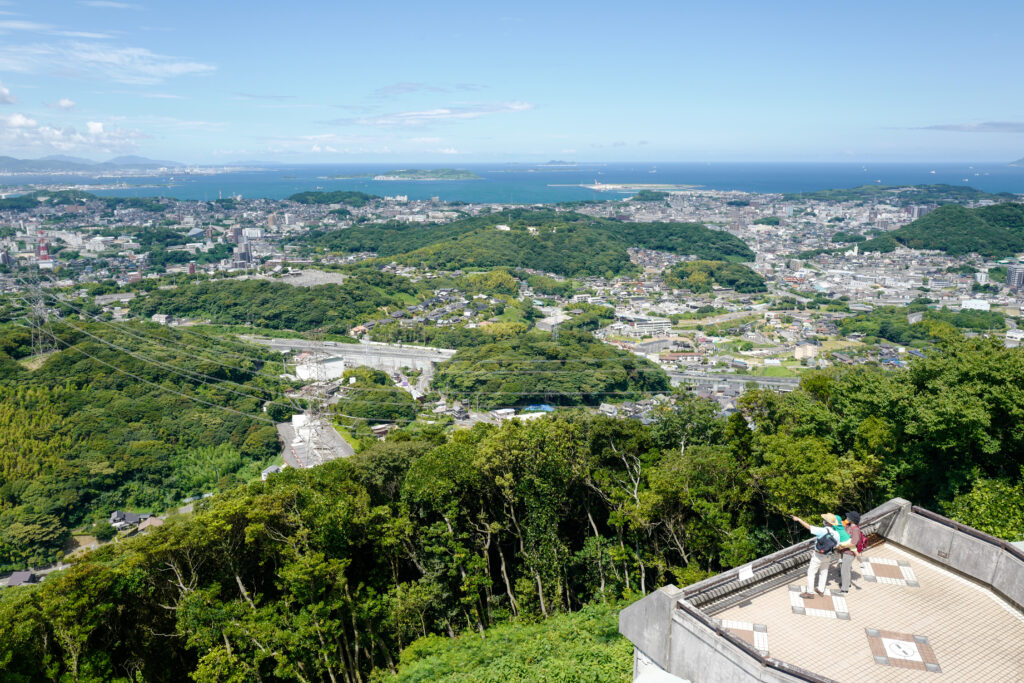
(704, 378)
(377, 355)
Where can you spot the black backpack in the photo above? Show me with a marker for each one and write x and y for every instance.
(825, 543)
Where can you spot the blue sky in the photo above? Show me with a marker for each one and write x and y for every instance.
(461, 82)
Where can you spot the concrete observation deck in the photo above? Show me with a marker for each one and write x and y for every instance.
(934, 601)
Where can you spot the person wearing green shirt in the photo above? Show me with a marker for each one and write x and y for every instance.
(817, 570)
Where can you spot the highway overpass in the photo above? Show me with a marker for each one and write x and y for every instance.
(376, 355)
(705, 379)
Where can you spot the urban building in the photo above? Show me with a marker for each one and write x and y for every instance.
(1015, 277)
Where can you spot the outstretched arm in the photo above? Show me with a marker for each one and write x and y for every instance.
(802, 522)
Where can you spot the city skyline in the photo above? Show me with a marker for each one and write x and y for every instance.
(455, 83)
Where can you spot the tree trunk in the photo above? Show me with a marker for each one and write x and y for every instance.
(600, 551)
(540, 594)
(508, 584)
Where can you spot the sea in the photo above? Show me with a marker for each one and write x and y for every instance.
(548, 183)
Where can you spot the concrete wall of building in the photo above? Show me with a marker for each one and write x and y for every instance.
(976, 558)
(700, 654)
(670, 633)
(685, 646)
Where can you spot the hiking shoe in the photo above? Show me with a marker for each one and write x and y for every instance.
(806, 596)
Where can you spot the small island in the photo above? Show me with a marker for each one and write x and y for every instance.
(428, 174)
(1019, 162)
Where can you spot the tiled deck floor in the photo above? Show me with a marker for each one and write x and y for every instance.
(975, 636)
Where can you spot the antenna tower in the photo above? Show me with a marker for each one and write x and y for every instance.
(39, 319)
(318, 448)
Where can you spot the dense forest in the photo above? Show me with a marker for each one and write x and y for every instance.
(903, 195)
(700, 276)
(275, 305)
(574, 369)
(582, 646)
(560, 242)
(448, 337)
(995, 231)
(33, 200)
(890, 323)
(338, 571)
(370, 394)
(347, 198)
(542, 284)
(121, 416)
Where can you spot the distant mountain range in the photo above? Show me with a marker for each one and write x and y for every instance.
(58, 163)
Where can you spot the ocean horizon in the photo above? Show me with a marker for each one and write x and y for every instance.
(512, 183)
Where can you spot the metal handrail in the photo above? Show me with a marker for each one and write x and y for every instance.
(775, 558)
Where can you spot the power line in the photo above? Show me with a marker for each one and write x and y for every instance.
(545, 393)
(628, 393)
(183, 331)
(74, 347)
(502, 363)
(187, 374)
(180, 371)
(589, 361)
(155, 339)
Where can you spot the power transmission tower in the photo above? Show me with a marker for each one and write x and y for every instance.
(39, 319)
(319, 447)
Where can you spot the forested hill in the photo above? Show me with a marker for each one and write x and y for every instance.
(995, 231)
(333, 308)
(333, 572)
(566, 243)
(347, 198)
(938, 193)
(575, 369)
(132, 415)
(700, 276)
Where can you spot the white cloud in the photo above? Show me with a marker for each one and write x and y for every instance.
(5, 96)
(132, 65)
(9, 25)
(22, 135)
(173, 123)
(20, 121)
(430, 116)
(407, 87)
(448, 150)
(81, 34)
(327, 142)
(257, 96)
(12, 25)
(984, 127)
(65, 103)
(109, 4)
(163, 96)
